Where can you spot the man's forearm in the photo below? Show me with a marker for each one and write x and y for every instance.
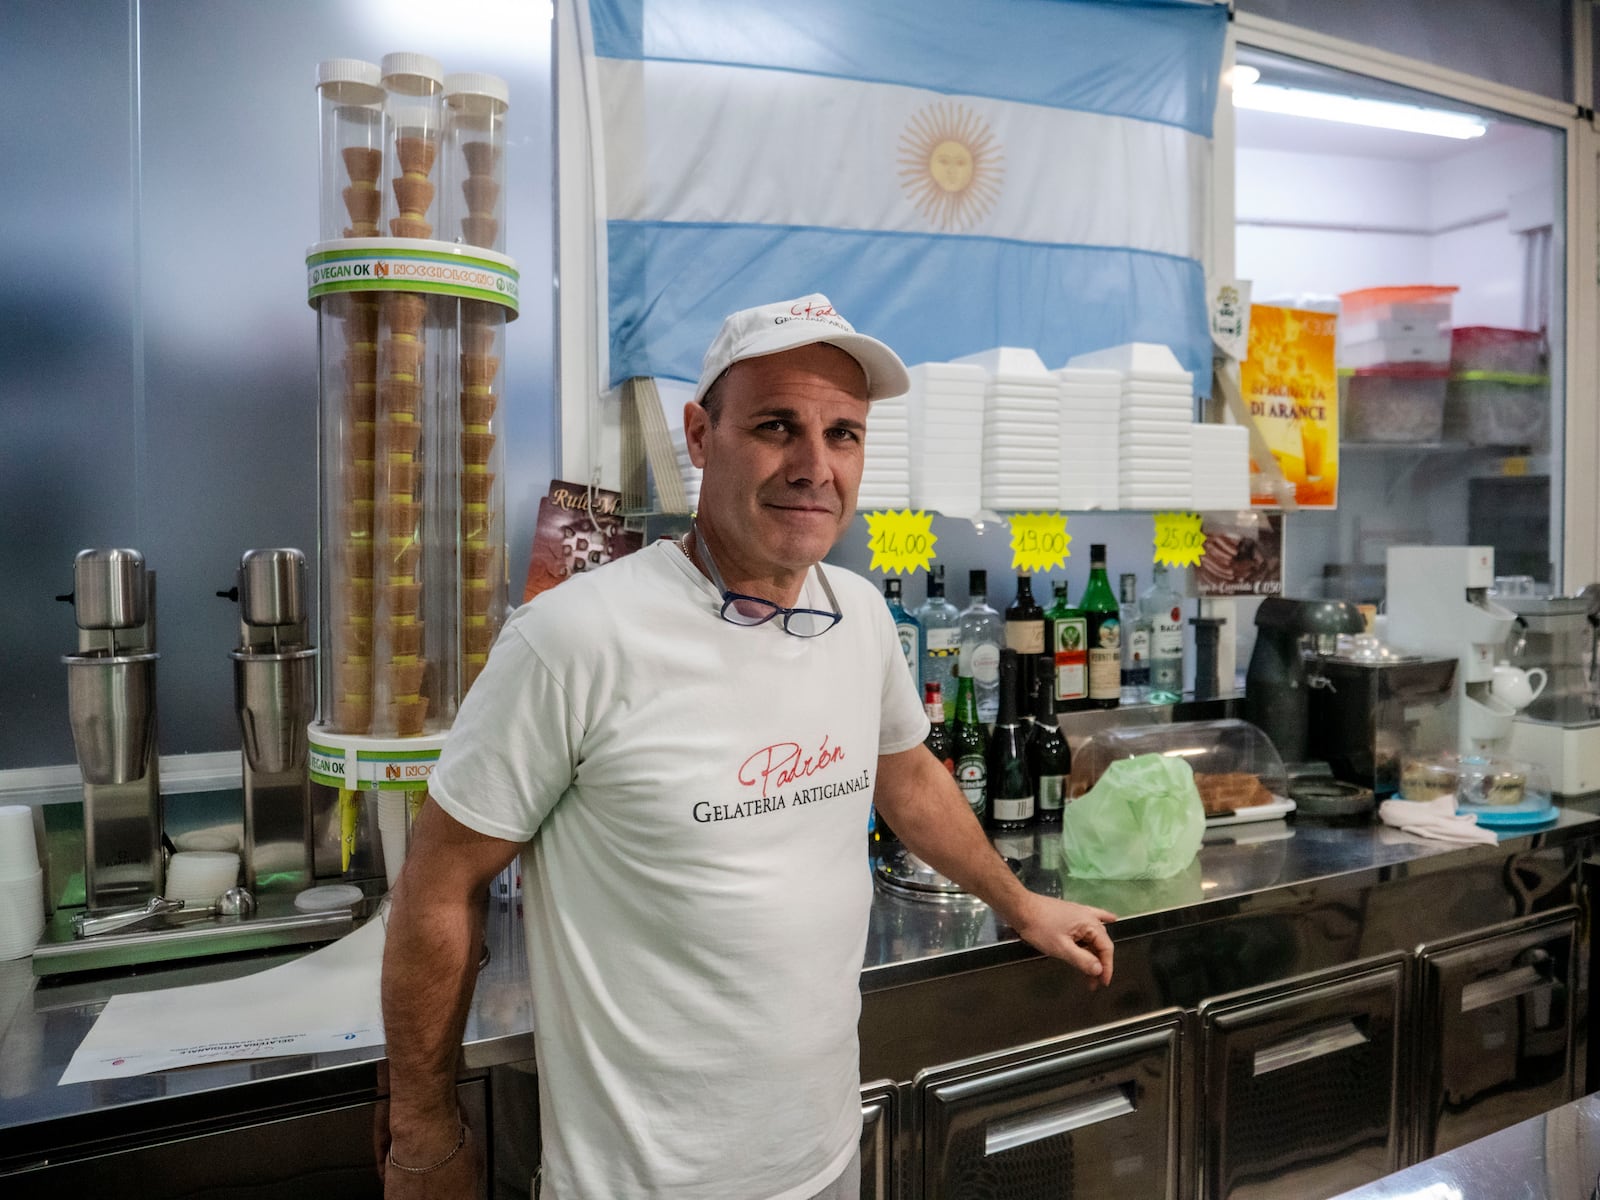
(429, 969)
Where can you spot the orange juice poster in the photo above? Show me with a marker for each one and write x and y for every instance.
(1292, 392)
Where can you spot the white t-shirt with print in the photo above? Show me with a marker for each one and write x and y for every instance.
(697, 896)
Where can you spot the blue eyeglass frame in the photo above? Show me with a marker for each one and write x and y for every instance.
(731, 598)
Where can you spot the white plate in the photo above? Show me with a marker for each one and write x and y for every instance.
(1278, 809)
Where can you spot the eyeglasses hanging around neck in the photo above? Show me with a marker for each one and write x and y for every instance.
(740, 609)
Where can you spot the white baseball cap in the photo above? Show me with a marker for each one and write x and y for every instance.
(790, 324)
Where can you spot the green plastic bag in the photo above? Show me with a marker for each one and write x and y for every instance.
(1141, 820)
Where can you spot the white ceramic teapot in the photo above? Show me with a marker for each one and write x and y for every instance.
(1518, 687)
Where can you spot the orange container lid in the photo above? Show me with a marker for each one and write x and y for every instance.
(1373, 297)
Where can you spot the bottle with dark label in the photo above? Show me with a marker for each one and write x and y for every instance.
(1105, 633)
(969, 746)
(938, 740)
(1025, 621)
(1068, 632)
(941, 639)
(1011, 803)
(1135, 642)
(1049, 758)
(907, 629)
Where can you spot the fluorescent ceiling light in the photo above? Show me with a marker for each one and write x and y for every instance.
(1380, 114)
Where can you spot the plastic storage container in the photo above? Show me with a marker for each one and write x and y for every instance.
(1394, 403)
(1490, 408)
(1397, 311)
(1504, 793)
(1235, 765)
(1502, 351)
(350, 99)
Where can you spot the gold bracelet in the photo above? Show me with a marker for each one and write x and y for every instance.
(461, 1140)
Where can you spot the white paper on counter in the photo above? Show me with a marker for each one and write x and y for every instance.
(327, 1000)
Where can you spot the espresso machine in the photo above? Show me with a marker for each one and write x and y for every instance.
(1560, 730)
(1439, 605)
(111, 700)
(1292, 639)
(274, 693)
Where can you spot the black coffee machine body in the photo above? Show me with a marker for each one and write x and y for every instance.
(1290, 636)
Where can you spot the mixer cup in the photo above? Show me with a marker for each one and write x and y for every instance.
(111, 703)
(274, 688)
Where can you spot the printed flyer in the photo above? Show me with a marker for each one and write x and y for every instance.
(1291, 390)
(566, 539)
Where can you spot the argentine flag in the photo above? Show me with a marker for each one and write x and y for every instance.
(954, 174)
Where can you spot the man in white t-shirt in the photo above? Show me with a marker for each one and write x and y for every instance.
(683, 747)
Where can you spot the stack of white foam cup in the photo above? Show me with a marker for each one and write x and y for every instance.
(21, 884)
(199, 877)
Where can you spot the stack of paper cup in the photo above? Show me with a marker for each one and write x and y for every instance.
(21, 884)
(392, 832)
(198, 877)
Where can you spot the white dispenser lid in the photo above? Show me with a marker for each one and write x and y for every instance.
(463, 87)
(350, 80)
(413, 74)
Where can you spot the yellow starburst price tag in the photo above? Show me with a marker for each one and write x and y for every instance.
(901, 542)
(1179, 539)
(1039, 542)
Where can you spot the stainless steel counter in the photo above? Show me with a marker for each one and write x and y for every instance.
(909, 941)
(1552, 1157)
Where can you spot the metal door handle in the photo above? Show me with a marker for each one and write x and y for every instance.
(1304, 1047)
(1515, 982)
(1036, 1126)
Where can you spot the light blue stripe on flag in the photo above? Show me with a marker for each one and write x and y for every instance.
(671, 285)
(1152, 60)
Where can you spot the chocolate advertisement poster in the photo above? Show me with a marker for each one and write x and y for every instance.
(1243, 555)
(574, 535)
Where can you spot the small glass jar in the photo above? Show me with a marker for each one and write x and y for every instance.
(414, 105)
(350, 99)
(474, 172)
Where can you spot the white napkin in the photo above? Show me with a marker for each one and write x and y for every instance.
(1435, 819)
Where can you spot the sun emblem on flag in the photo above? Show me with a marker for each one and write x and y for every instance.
(950, 165)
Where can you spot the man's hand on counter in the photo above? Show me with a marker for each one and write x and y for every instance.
(930, 815)
(1074, 933)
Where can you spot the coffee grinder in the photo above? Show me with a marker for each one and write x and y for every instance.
(274, 693)
(1560, 730)
(111, 700)
(1292, 636)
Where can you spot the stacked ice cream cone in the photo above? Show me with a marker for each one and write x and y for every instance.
(362, 199)
(480, 364)
(415, 150)
(481, 188)
(351, 652)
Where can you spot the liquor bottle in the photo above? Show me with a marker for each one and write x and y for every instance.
(966, 737)
(1162, 607)
(938, 740)
(1068, 632)
(1135, 642)
(1105, 633)
(1010, 788)
(907, 629)
(941, 637)
(1025, 621)
(1049, 758)
(982, 634)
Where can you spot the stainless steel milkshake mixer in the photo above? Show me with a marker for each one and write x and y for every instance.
(111, 695)
(274, 692)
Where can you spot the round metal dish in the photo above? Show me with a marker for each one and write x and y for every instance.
(903, 873)
(1330, 799)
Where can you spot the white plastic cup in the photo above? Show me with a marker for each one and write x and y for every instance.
(198, 877)
(21, 915)
(392, 832)
(19, 853)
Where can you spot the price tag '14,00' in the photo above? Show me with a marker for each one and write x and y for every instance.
(1179, 539)
(901, 542)
(1039, 542)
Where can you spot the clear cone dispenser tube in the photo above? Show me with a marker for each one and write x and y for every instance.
(473, 207)
(411, 335)
(350, 98)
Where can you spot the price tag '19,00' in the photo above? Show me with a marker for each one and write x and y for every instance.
(1039, 542)
(901, 542)
(1179, 539)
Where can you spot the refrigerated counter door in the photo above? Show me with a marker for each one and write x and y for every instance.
(1073, 1119)
(880, 1108)
(1300, 1086)
(1494, 1033)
